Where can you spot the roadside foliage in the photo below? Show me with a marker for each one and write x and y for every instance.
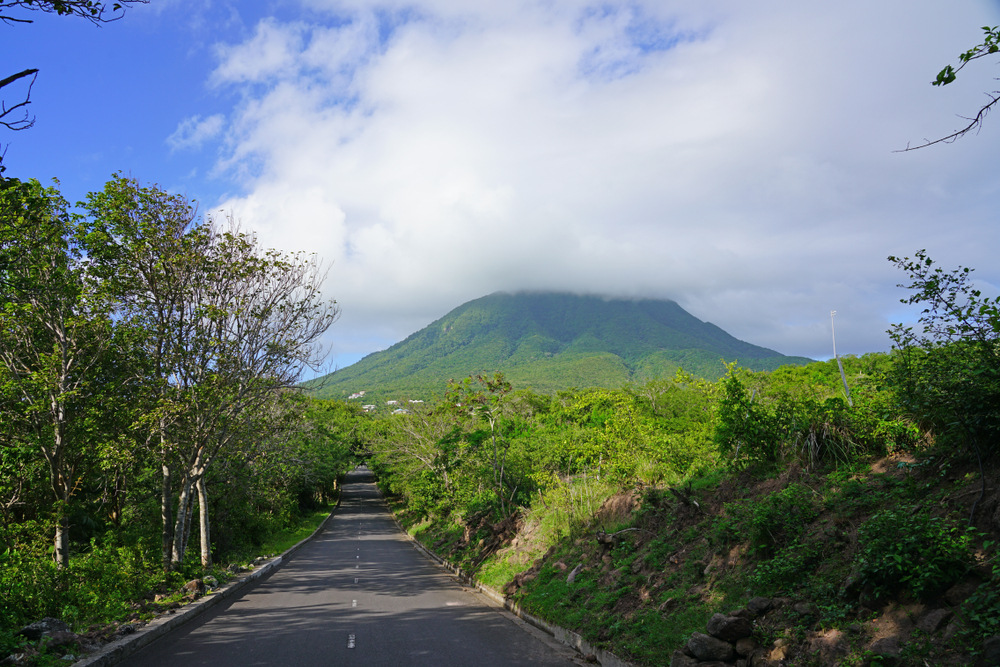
(149, 420)
(632, 515)
(153, 430)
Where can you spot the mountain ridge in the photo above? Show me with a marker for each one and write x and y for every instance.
(547, 341)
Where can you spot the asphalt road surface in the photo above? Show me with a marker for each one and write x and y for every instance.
(357, 594)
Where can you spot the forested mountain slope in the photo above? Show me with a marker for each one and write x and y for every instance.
(550, 341)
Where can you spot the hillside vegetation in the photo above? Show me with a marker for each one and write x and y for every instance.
(150, 432)
(845, 530)
(851, 529)
(548, 342)
(673, 501)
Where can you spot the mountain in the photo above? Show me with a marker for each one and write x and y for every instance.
(547, 342)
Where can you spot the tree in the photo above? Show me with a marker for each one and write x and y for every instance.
(16, 116)
(487, 402)
(145, 244)
(989, 46)
(948, 373)
(226, 325)
(416, 454)
(256, 326)
(54, 330)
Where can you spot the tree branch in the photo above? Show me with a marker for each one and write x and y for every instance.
(975, 123)
(91, 10)
(26, 122)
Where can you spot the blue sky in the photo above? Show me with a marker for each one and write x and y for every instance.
(735, 157)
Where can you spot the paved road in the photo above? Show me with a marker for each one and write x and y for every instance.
(357, 594)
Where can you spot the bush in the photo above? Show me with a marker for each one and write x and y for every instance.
(770, 523)
(98, 586)
(780, 417)
(789, 566)
(899, 548)
(949, 374)
(747, 430)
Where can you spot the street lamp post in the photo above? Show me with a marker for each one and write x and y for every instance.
(843, 378)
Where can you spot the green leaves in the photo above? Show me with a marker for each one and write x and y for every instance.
(748, 431)
(990, 45)
(907, 547)
(945, 76)
(948, 375)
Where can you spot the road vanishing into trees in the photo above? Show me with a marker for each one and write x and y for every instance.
(357, 594)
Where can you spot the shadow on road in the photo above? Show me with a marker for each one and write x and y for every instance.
(359, 578)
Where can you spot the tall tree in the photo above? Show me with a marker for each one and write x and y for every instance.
(257, 321)
(948, 373)
(486, 401)
(146, 245)
(227, 326)
(54, 329)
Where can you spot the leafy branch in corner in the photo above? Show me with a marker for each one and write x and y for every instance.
(989, 46)
(91, 10)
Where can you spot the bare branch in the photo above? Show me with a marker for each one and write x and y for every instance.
(975, 123)
(25, 122)
(91, 10)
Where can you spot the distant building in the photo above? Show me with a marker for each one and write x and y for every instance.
(400, 411)
(367, 408)
(416, 401)
(392, 402)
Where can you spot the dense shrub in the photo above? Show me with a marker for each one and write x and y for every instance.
(901, 548)
(769, 524)
(790, 566)
(763, 418)
(948, 374)
(97, 585)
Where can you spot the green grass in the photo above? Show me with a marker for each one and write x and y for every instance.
(289, 537)
(498, 571)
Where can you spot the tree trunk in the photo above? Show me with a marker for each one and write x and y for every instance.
(188, 517)
(181, 524)
(62, 542)
(206, 544)
(60, 485)
(166, 515)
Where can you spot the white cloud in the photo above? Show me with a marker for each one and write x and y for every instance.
(271, 52)
(737, 158)
(193, 132)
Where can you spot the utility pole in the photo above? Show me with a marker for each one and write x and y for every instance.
(843, 378)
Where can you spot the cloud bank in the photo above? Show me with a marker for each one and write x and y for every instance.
(735, 157)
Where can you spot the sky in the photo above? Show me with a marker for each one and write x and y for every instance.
(739, 158)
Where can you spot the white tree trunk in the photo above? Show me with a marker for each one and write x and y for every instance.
(166, 516)
(206, 543)
(180, 527)
(62, 543)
